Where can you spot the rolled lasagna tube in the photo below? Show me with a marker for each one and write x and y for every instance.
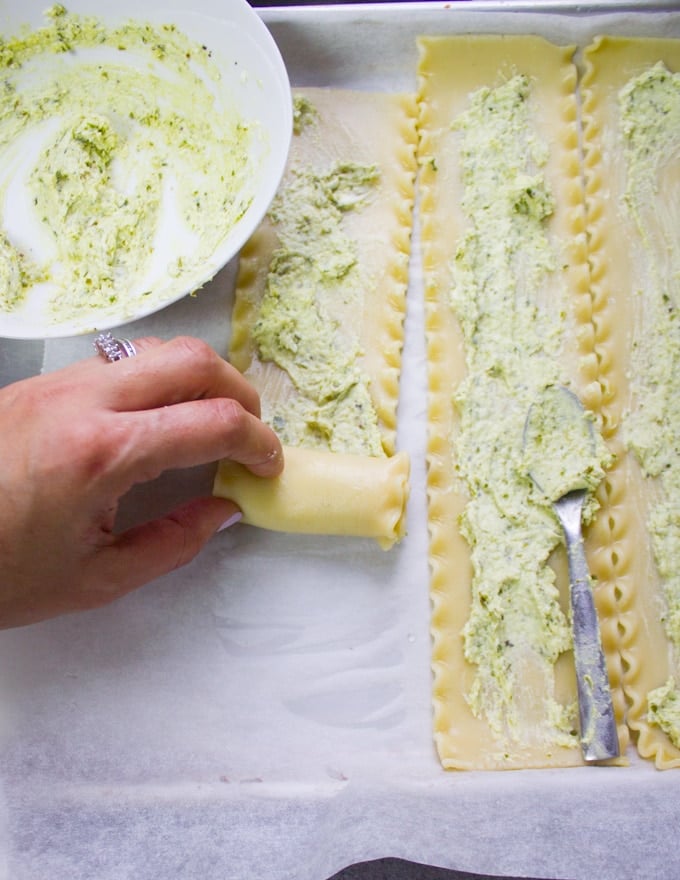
(323, 493)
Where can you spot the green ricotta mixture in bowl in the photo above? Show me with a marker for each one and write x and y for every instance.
(516, 631)
(125, 160)
(650, 132)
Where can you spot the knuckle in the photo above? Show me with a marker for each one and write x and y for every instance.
(231, 415)
(96, 446)
(92, 444)
(196, 351)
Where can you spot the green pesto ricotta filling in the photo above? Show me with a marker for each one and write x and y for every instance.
(562, 451)
(517, 629)
(664, 710)
(130, 134)
(15, 274)
(315, 264)
(650, 130)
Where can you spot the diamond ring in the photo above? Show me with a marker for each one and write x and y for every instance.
(113, 348)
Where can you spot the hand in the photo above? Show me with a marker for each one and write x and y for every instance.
(73, 442)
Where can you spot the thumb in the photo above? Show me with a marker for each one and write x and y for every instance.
(155, 548)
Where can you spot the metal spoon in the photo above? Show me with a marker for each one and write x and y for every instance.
(599, 739)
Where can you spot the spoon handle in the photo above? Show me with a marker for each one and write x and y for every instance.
(599, 739)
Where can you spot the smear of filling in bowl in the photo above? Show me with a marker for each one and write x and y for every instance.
(124, 167)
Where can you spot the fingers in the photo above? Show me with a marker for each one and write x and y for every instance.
(164, 373)
(173, 405)
(156, 548)
(196, 432)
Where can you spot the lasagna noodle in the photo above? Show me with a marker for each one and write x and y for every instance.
(293, 502)
(620, 276)
(371, 130)
(451, 69)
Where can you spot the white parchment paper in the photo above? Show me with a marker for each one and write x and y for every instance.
(265, 712)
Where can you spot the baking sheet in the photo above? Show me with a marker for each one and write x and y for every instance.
(265, 712)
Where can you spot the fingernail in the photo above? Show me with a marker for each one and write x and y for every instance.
(233, 519)
(276, 456)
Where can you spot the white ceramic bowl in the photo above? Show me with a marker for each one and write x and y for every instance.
(254, 80)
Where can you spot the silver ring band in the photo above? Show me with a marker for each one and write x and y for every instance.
(113, 348)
